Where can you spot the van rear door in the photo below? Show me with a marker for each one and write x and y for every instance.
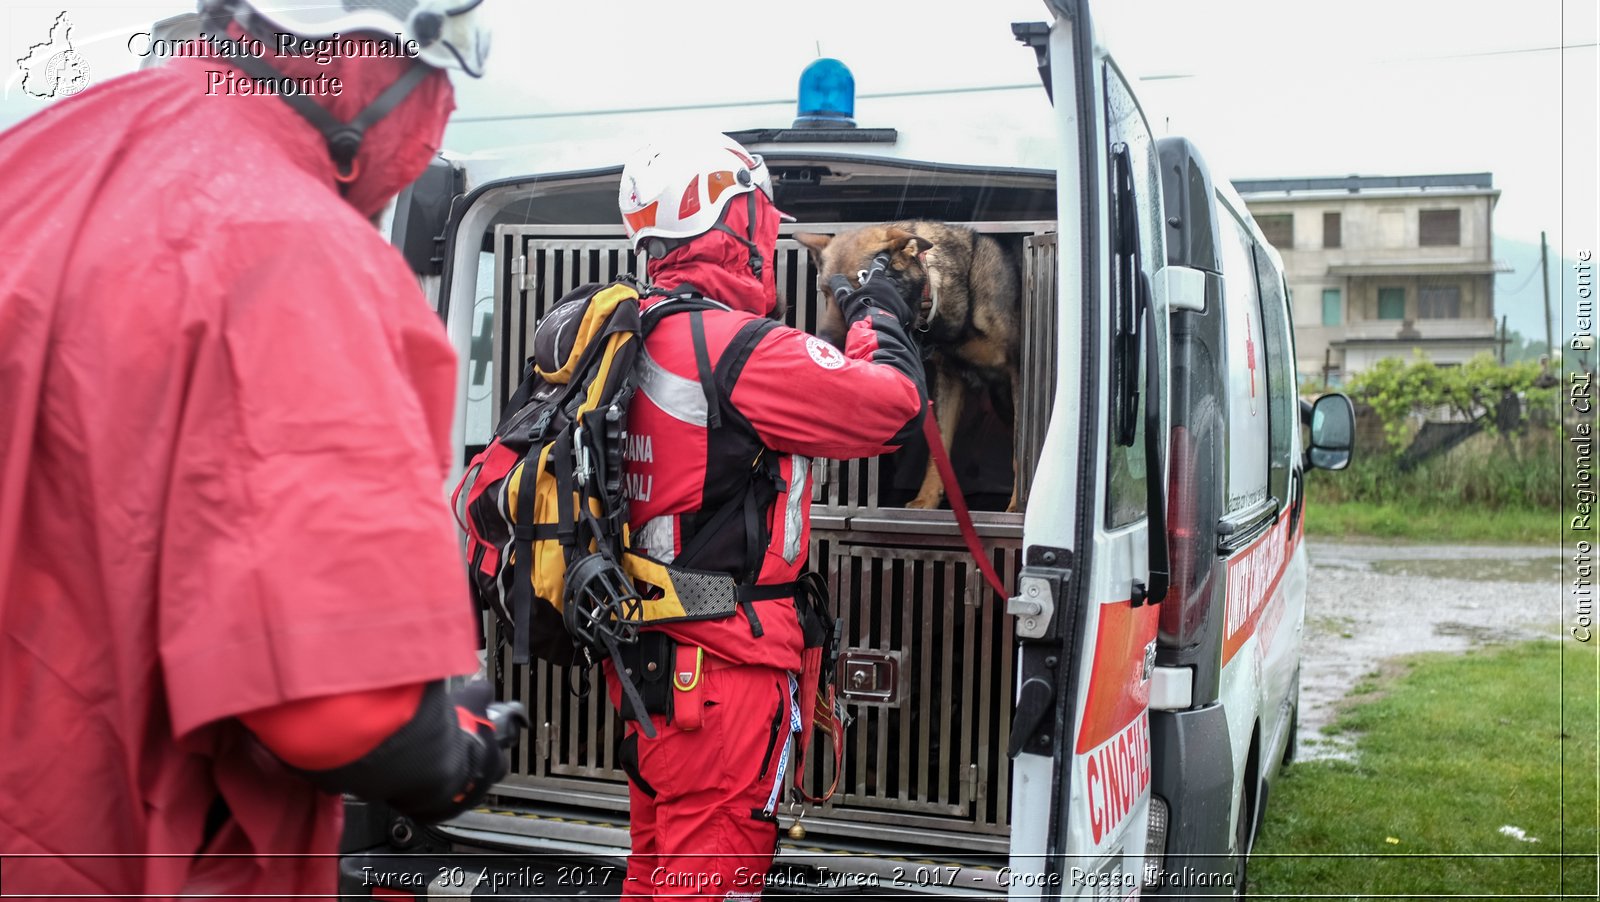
(1086, 613)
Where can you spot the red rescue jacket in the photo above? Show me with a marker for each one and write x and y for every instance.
(783, 397)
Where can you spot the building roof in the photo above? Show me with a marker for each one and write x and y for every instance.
(1354, 184)
(1469, 268)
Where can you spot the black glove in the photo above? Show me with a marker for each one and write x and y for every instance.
(441, 763)
(497, 728)
(879, 290)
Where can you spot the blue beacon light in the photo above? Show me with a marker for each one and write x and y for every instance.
(827, 96)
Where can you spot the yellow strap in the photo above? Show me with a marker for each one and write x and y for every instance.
(652, 573)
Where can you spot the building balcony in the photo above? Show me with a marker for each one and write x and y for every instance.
(1418, 268)
(1422, 330)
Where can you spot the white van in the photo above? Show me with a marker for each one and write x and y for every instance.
(1114, 726)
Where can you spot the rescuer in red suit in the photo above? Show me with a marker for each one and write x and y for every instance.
(704, 790)
(230, 587)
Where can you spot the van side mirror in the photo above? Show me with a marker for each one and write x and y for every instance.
(1333, 432)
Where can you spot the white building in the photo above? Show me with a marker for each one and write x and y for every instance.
(1378, 266)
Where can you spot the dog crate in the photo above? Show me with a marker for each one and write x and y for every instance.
(928, 655)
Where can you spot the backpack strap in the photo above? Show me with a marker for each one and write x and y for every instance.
(828, 714)
(692, 302)
(765, 477)
(566, 519)
(702, 359)
(523, 533)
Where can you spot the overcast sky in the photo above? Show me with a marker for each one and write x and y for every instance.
(1265, 87)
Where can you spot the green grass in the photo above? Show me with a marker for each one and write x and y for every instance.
(1492, 489)
(1448, 750)
(1410, 522)
(1487, 472)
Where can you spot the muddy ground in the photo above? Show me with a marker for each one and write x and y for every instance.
(1369, 603)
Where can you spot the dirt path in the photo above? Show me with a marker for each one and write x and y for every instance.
(1369, 603)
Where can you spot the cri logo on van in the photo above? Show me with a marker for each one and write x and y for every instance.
(1250, 361)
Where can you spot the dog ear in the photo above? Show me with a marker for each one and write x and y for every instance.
(814, 243)
(902, 241)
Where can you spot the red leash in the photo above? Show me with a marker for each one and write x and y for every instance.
(958, 502)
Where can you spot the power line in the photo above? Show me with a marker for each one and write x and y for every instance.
(1178, 76)
(929, 92)
(1453, 56)
(787, 101)
(1525, 283)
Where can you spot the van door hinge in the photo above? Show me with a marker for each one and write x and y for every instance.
(544, 745)
(1040, 586)
(519, 271)
(1034, 606)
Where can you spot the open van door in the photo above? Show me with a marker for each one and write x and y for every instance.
(1092, 579)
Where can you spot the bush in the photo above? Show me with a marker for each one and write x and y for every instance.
(1497, 472)
(1513, 464)
(1401, 391)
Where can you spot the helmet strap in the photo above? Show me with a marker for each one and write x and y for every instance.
(757, 265)
(343, 138)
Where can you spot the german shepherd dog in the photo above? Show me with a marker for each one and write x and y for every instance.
(968, 322)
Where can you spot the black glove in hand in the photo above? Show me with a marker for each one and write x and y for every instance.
(487, 730)
(509, 719)
(879, 290)
(498, 726)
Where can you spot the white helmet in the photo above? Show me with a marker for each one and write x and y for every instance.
(448, 33)
(678, 188)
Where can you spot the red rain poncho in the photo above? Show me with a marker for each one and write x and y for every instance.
(224, 430)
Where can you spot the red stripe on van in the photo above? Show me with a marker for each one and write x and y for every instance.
(1253, 579)
(1119, 689)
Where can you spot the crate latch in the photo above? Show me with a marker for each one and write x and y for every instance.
(869, 677)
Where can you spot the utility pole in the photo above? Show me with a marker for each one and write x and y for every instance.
(1544, 277)
(1505, 338)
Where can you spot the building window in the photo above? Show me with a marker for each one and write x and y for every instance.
(1332, 309)
(1439, 302)
(1439, 228)
(1331, 236)
(1278, 228)
(1391, 303)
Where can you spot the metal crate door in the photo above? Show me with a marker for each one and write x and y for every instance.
(535, 267)
(1039, 322)
(931, 751)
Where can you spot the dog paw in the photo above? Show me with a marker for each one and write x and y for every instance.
(924, 503)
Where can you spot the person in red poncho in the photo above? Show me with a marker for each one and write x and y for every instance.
(230, 586)
(731, 405)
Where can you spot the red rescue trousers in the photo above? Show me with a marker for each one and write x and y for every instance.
(703, 804)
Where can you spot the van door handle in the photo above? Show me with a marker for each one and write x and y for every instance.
(1034, 702)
